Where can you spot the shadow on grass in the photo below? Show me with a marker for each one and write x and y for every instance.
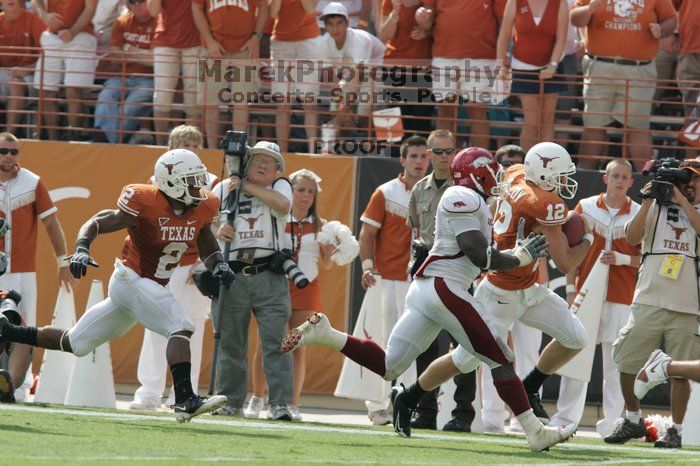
(197, 429)
(23, 429)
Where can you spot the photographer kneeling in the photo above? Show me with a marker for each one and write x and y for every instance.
(256, 237)
(666, 303)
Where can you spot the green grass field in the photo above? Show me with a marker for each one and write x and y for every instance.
(44, 435)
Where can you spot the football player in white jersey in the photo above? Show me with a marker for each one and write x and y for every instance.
(438, 298)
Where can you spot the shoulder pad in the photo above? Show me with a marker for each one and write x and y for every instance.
(146, 194)
(549, 209)
(460, 200)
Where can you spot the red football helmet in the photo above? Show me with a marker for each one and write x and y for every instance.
(477, 169)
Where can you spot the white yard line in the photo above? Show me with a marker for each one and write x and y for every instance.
(488, 438)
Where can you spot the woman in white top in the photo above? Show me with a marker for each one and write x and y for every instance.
(301, 237)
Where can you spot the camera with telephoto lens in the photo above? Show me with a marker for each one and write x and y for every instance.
(282, 263)
(667, 174)
(235, 148)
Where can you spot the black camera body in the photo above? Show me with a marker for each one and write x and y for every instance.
(235, 148)
(282, 263)
(667, 174)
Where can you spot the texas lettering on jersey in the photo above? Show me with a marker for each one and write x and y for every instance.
(520, 199)
(156, 245)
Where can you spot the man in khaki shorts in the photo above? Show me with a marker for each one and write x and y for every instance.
(231, 34)
(666, 306)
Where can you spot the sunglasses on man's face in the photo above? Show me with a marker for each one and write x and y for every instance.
(442, 151)
(5, 151)
(134, 2)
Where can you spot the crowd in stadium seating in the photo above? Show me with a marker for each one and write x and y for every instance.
(123, 71)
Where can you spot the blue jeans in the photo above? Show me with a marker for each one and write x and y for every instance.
(129, 93)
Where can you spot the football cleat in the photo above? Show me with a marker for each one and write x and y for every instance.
(626, 430)
(652, 374)
(316, 330)
(184, 412)
(547, 437)
(7, 389)
(381, 417)
(401, 413)
(537, 408)
(671, 439)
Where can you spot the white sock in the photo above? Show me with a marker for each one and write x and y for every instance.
(634, 416)
(529, 422)
(338, 339)
(678, 427)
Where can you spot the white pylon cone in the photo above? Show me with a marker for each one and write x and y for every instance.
(92, 382)
(53, 383)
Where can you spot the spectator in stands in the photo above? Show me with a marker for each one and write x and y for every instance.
(25, 200)
(689, 61)
(539, 30)
(385, 246)
(301, 233)
(106, 15)
(69, 59)
(352, 50)
(18, 28)
(175, 50)
(570, 68)
(232, 48)
(152, 367)
(466, 48)
(608, 211)
(359, 12)
(620, 43)
(407, 50)
(295, 36)
(510, 155)
(122, 99)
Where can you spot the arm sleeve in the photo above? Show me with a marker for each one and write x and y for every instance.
(665, 10)
(387, 7)
(44, 204)
(284, 187)
(130, 201)
(376, 210)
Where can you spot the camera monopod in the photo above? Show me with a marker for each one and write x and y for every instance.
(234, 147)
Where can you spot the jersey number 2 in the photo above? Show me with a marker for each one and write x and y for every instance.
(172, 253)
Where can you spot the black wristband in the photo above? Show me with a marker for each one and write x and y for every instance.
(83, 243)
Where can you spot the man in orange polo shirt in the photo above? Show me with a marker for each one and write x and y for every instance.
(30, 201)
(69, 45)
(18, 28)
(464, 40)
(232, 48)
(622, 39)
(385, 246)
(608, 212)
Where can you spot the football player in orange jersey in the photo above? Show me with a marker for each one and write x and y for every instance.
(532, 193)
(162, 223)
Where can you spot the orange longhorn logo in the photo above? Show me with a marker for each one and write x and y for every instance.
(677, 231)
(251, 221)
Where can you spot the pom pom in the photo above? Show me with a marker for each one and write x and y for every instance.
(347, 247)
(656, 427)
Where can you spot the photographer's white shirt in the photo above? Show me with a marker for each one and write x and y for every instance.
(668, 232)
(259, 229)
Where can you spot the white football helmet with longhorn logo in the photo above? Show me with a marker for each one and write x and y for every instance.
(177, 172)
(549, 166)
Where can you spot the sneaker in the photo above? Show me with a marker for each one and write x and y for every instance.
(626, 430)
(296, 415)
(380, 417)
(316, 330)
(229, 411)
(145, 405)
(7, 389)
(402, 414)
(255, 405)
(423, 422)
(652, 374)
(279, 413)
(457, 425)
(547, 437)
(196, 405)
(671, 439)
(537, 408)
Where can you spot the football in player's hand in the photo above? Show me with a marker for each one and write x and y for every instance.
(574, 228)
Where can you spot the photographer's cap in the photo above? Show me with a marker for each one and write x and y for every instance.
(693, 165)
(334, 9)
(268, 148)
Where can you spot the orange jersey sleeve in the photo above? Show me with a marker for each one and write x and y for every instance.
(376, 209)
(44, 204)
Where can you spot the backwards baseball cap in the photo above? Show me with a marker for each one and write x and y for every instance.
(334, 9)
(268, 148)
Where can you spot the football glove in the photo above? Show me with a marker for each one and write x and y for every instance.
(79, 262)
(3, 263)
(223, 272)
(528, 250)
